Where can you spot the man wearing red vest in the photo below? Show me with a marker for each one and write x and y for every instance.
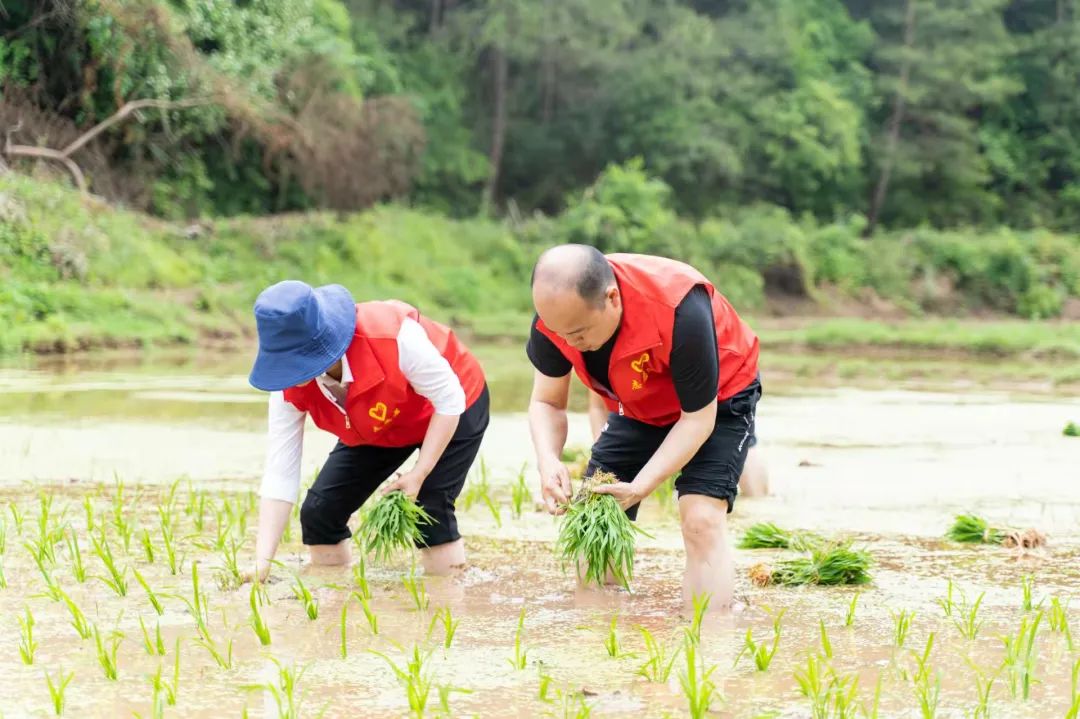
(677, 369)
(386, 382)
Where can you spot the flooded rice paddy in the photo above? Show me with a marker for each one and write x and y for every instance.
(163, 460)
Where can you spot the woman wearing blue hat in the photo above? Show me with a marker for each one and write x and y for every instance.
(386, 382)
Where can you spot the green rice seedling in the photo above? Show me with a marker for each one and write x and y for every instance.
(983, 686)
(3, 578)
(1058, 618)
(222, 655)
(449, 625)
(147, 546)
(78, 569)
(544, 688)
(611, 642)
(478, 489)
(811, 681)
(849, 617)
(229, 577)
(696, 681)
(1071, 429)
(701, 606)
(1021, 654)
(284, 691)
(1027, 587)
(90, 513)
(124, 527)
(843, 693)
(967, 617)
(164, 689)
(155, 602)
(16, 516)
(444, 698)
(519, 493)
(947, 604)
(393, 524)
(596, 534)
(901, 627)
(761, 653)
(155, 645)
(3, 536)
(40, 557)
(57, 689)
(344, 622)
(970, 529)
(826, 644)
(922, 661)
(301, 592)
(360, 576)
(665, 494)
(414, 676)
(1074, 707)
(661, 659)
(78, 619)
(117, 579)
(106, 651)
(766, 535)
(928, 694)
(414, 585)
(168, 543)
(369, 613)
(27, 644)
(198, 511)
(520, 652)
(198, 605)
(827, 565)
(572, 705)
(257, 621)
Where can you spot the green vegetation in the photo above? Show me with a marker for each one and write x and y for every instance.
(392, 524)
(1071, 429)
(766, 535)
(596, 536)
(826, 565)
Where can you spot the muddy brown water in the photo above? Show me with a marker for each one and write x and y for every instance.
(886, 468)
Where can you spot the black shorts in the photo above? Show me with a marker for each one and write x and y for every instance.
(351, 474)
(626, 445)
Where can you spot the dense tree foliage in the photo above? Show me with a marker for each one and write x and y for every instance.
(904, 112)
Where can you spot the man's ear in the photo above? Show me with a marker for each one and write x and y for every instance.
(614, 297)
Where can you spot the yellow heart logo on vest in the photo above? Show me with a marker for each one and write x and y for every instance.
(638, 366)
(378, 412)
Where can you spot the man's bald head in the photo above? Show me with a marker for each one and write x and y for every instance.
(580, 268)
(576, 295)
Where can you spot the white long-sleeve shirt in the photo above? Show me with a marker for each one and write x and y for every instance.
(427, 371)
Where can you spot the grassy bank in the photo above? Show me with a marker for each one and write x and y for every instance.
(78, 274)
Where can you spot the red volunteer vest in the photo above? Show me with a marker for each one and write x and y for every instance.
(381, 407)
(640, 376)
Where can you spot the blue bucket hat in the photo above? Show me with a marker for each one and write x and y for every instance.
(303, 331)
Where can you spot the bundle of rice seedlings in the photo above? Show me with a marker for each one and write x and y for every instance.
(392, 524)
(970, 529)
(596, 535)
(766, 535)
(827, 565)
(1071, 429)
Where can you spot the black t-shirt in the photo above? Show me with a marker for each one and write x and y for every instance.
(695, 366)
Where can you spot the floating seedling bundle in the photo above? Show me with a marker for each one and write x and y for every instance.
(969, 529)
(392, 524)
(825, 565)
(596, 535)
(766, 535)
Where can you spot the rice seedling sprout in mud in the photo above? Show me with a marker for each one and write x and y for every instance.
(16, 516)
(369, 613)
(449, 625)
(167, 541)
(3, 578)
(147, 545)
(967, 619)
(198, 605)
(222, 655)
(344, 629)
(27, 644)
(229, 576)
(611, 641)
(117, 577)
(360, 579)
(392, 524)
(519, 493)
(760, 652)
(1074, 706)
(518, 660)
(301, 592)
(106, 651)
(849, 616)
(1021, 654)
(970, 529)
(1027, 589)
(984, 684)
(701, 606)
(826, 643)
(414, 674)
(766, 535)
(596, 536)
(414, 585)
(284, 691)
(78, 619)
(57, 690)
(164, 689)
(901, 627)
(828, 566)
(661, 658)
(154, 601)
(696, 680)
(1071, 429)
(154, 646)
(256, 598)
(1058, 618)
